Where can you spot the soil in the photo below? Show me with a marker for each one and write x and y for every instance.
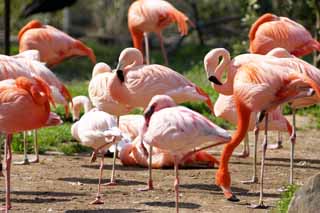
(68, 183)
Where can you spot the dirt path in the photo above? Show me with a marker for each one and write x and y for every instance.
(68, 183)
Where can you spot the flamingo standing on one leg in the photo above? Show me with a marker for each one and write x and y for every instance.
(77, 103)
(145, 16)
(24, 105)
(54, 45)
(178, 129)
(98, 130)
(271, 31)
(258, 84)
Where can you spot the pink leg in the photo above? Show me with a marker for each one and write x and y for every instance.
(146, 42)
(293, 142)
(36, 147)
(7, 157)
(163, 50)
(176, 182)
(150, 183)
(98, 198)
(25, 161)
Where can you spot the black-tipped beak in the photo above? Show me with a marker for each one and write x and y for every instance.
(147, 115)
(120, 75)
(214, 80)
(261, 116)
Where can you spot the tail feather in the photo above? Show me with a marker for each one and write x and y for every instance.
(263, 19)
(31, 25)
(208, 100)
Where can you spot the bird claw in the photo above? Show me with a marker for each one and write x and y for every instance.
(24, 162)
(233, 198)
(259, 206)
(252, 181)
(278, 145)
(36, 160)
(241, 155)
(112, 183)
(97, 201)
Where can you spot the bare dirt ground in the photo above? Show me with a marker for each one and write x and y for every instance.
(68, 183)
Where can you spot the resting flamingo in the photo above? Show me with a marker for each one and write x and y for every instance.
(24, 105)
(145, 16)
(98, 130)
(178, 130)
(271, 31)
(258, 83)
(77, 103)
(24, 64)
(54, 45)
(133, 153)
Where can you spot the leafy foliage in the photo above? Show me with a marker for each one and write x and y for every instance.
(286, 196)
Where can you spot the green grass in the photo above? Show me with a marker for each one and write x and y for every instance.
(286, 196)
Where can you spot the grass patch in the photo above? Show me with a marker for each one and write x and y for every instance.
(283, 203)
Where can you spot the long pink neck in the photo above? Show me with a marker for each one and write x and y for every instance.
(227, 87)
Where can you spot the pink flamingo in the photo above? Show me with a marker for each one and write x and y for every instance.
(145, 16)
(25, 65)
(98, 130)
(178, 130)
(258, 84)
(54, 45)
(20, 99)
(271, 31)
(77, 103)
(134, 153)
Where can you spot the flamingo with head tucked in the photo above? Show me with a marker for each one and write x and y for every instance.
(258, 83)
(54, 45)
(145, 16)
(178, 130)
(79, 102)
(24, 105)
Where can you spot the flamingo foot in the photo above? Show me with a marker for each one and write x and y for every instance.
(24, 162)
(148, 188)
(97, 201)
(111, 183)
(252, 181)
(241, 154)
(5, 208)
(36, 160)
(277, 145)
(230, 196)
(259, 206)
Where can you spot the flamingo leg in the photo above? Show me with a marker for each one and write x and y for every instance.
(25, 160)
(1, 168)
(163, 50)
(36, 147)
(293, 142)
(146, 44)
(246, 149)
(7, 157)
(112, 179)
(254, 163)
(278, 144)
(264, 149)
(176, 182)
(150, 182)
(98, 197)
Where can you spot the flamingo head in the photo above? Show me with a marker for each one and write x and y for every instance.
(213, 61)
(129, 56)
(100, 68)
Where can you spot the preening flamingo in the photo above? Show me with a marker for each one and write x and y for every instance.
(259, 84)
(178, 130)
(271, 31)
(100, 96)
(24, 64)
(98, 130)
(24, 105)
(79, 102)
(54, 45)
(134, 153)
(145, 16)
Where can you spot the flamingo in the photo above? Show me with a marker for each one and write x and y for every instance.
(133, 154)
(77, 103)
(54, 45)
(145, 16)
(178, 130)
(258, 83)
(271, 31)
(98, 130)
(24, 64)
(24, 106)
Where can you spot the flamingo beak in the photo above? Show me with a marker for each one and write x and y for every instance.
(120, 75)
(214, 80)
(148, 113)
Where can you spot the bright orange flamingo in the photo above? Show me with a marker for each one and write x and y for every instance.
(258, 83)
(54, 45)
(24, 105)
(145, 16)
(178, 130)
(98, 130)
(134, 152)
(271, 31)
